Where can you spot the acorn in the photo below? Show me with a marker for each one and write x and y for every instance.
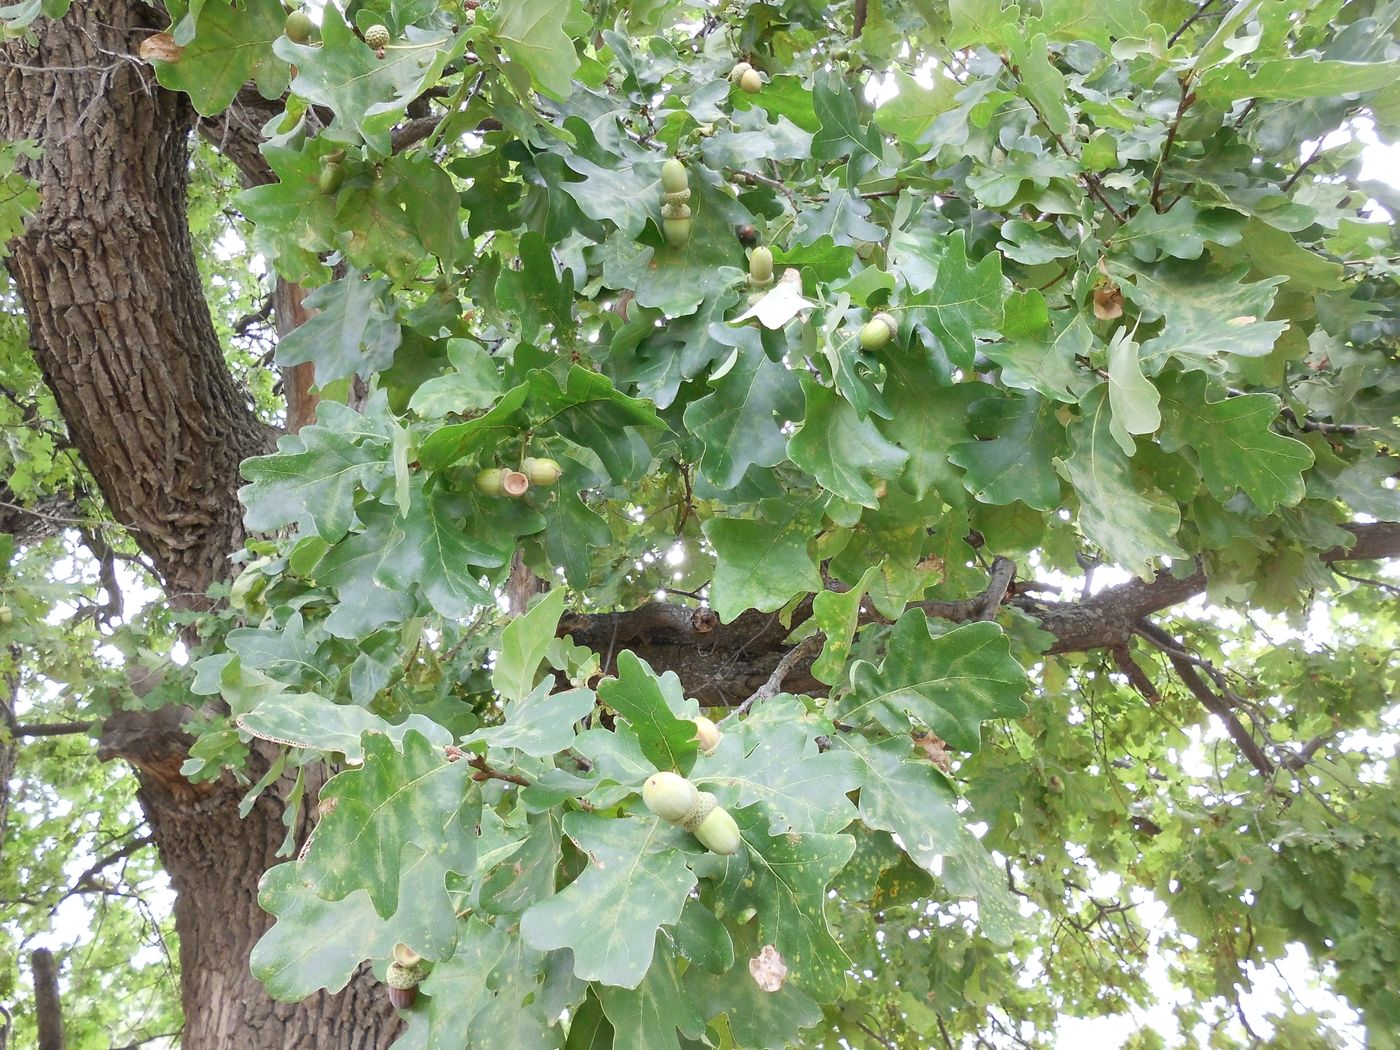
(541, 471)
(669, 795)
(718, 833)
(737, 73)
(679, 197)
(377, 37)
(488, 482)
(751, 81)
(403, 977)
(878, 331)
(6, 616)
(675, 211)
(674, 177)
(299, 27)
(677, 232)
(761, 266)
(747, 234)
(707, 734)
(331, 178)
(514, 483)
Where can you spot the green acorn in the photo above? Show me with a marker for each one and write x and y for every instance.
(674, 177)
(737, 73)
(331, 178)
(377, 37)
(718, 833)
(669, 795)
(878, 331)
(761, 266)
(751, 81)
(488, 482)
(707, 734)
(540, 471)
(299, 27)
(675, 211)
(6, 616)
(679, 197)
(677, 232)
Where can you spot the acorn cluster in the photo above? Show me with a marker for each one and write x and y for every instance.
(505, 481)
(675, 203)
(677, 801)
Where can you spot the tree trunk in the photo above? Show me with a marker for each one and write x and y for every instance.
(120, 327)
(48, 1008)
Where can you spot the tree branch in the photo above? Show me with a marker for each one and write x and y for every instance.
(999, 579)
(48, 1009)
(769, 689)
(1182, 662)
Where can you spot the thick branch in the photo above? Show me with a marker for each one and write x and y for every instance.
(47, 1008)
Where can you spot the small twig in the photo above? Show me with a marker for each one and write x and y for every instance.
(485, 771)
(1288, 182)
(876, 1036)
(1003, 569)
(1200, 10)
(1300, 758)
(744, 174)
(769, 689)
(1389, 588)
(1187, 97)
(87, 880)
(858, 24)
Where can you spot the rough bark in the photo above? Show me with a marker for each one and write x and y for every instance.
(120, 327)
(107, 274)
(723, 664)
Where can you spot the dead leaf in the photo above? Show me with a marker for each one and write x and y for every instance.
(768, 969)
(1108, 302)
(160, 47)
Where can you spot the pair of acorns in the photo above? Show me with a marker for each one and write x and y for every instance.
(748, 78)
(504, 481)
(677, 801)
(675, 203)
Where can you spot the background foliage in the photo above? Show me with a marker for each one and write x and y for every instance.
(1145, 312)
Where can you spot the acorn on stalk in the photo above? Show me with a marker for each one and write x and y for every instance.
(675, 209)
(878, 331)
(405, 974)
(675, 800)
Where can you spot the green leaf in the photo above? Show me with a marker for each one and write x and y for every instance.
(1043, 84)
(647, 1017)
(314, 477)
(317, 944)
(395, 800)
(1234, 444)
(1132, 526)
(473, 384)
(456, 441)
(1131, 397)
(1207, 315)
(951, 684)
(528, 873)
(367, 94)
(761, 564)
(836, 615)
(784, 879)
(309, 721)
(589, 411)
(524, 642)
(494, 983)
(353, 331)
(1295, 78)
(433, 549)
(842, 132)
(667, 740)
(636, 880)
(755, 1017)
(979, 22)
(231, 46)
(913, 108)
(841, 450)
(19, 196)
(532, 33)
(1019, 437)
(540, 724)
(741, 421)
(958, 302)
(781, 769)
